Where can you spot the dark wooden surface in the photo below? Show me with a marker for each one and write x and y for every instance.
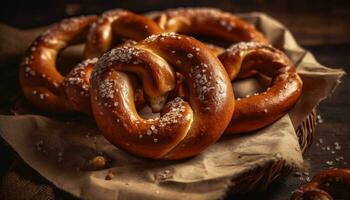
(323, 27)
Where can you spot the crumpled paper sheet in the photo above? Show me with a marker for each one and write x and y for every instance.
(56, 148)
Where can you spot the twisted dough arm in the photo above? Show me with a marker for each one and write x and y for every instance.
(77, 85)
(184, 129)
(121, 24)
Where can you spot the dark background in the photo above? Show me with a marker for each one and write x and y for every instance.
(323, 27)
(325, 21)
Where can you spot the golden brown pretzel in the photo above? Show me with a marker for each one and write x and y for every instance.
(184, 129)
(324, 185)
(259, 110)
(45, 87)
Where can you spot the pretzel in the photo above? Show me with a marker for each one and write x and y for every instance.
(259, 110)
(184, 129)
(47, 88)
(325, 184)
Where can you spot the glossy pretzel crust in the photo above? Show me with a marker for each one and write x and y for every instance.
(184, 129)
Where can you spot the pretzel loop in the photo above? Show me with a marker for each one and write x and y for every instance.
(41, 82)
(259, 110)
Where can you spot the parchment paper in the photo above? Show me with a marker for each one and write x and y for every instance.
(60, 148)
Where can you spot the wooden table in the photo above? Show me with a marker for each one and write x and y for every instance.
(322, 28)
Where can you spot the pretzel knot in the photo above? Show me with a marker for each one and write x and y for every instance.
(326, 185)
(183, 129)
(46, 87)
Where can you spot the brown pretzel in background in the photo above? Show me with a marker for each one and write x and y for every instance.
(261, 109)
(325, 185)
(47, 88)
(210, 22)
(184, 129)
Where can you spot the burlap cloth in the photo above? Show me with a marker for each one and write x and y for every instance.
(58, 148)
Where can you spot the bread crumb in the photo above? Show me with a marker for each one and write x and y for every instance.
(98, 162)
